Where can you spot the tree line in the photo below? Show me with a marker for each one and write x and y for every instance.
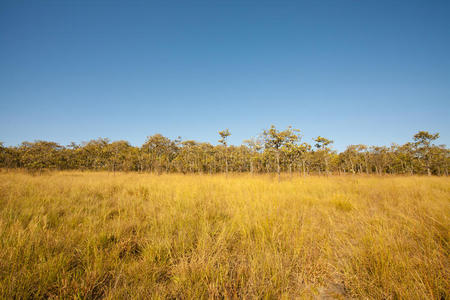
(273, 151)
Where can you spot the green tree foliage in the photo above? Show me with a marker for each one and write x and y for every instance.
(323, 152)
(424, 153)
(224, 134)
(276, 141)
(9, 157)
(273, 151)
(254, 147)
(41, 155)
(160, 152)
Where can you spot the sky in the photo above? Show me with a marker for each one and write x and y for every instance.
(357, 72)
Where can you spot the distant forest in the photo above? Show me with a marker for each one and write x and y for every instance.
(273, 151)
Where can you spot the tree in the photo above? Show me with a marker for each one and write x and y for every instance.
(9, 157)
(322, 147)
(273, 151)
(379, 158)
(255, 146)
(118, 153)
(274, 140)
(441, 159)
(302, 151)
(40, 155)
(224, 134)
(94, 154)
(423, 140)
(291, 149)
(161, 151)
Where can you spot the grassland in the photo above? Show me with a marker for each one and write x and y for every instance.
(104, 235)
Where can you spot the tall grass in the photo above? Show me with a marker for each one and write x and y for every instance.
(104, 235)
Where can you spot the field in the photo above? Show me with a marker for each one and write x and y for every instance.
(126, 235)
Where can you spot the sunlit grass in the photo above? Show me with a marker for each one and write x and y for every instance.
(93, 235)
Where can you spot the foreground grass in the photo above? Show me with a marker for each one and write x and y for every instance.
(95, 235)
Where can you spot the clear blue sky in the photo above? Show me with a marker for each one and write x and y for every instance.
(371, 72)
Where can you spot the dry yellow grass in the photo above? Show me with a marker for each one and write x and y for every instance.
(93, 235)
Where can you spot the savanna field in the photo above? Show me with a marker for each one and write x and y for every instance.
(91, 235)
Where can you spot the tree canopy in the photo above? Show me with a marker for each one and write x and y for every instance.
(273, 150)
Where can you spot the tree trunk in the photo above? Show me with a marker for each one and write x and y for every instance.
(351, 164)
(278, 164)
(367, 166)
